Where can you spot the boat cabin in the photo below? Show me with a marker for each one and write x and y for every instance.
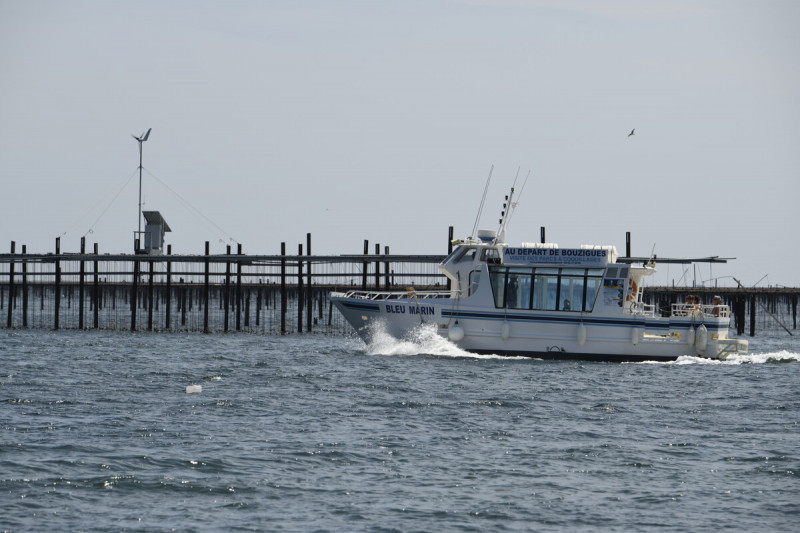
(545, 277)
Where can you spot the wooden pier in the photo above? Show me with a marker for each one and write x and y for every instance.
(279, 293)
(776, 307)
(270, 294)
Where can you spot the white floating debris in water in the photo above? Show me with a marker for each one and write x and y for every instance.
(194, 389)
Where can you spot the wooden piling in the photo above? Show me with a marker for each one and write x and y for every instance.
(134, 293)
(364, 265)
(150, 298)
(206, 288)
(309, 292)
(11, 286)
(739, 314)
(450, 235)
(25, 288)
(227, 295)
(627, 244)
(96, 295)
(184, 290)
(169, 291)
(377, 267)
(753, 315)
(283, 288)
(258, 306)
(386, 268)
(247, 310)
(81, 281)
(239, 287)
(57, 304)
(300, 293)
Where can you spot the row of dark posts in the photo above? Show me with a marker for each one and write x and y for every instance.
(305, 296)
(304, 287)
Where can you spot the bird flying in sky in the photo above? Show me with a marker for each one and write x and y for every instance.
(631, 133)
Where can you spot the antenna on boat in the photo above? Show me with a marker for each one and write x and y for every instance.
(505, 214)
(483, 200)
(651, 262)
(509, 205)
(513, 206)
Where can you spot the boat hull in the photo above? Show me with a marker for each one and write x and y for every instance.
(544, 335)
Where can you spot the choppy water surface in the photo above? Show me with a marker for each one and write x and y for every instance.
(317, 433)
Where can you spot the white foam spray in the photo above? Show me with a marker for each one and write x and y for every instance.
(781, 356)
(423, 340)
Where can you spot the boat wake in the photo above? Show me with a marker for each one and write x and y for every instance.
(423, 340)
(781, 356)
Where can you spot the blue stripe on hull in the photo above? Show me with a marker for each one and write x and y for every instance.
(588, 321)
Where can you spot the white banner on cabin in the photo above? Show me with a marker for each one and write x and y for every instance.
(556, 256)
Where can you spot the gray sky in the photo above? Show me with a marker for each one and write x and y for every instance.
(376, 120)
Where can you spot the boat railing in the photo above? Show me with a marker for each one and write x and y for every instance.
(701, 310)
(639, 308)
(393, 295)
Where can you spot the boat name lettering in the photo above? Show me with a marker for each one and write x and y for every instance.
(427, 310)
(556, 255)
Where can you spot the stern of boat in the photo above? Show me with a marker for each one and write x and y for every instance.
(705, 330)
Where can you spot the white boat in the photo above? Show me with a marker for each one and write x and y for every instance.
(544, 301)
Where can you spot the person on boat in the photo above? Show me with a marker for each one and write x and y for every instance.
(687, 304)
(513, 289)
(690, 305)
(695, 309)
(567, 306)
(717, 303)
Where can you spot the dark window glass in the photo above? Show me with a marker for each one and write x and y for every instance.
(518, 288)
(497, 278)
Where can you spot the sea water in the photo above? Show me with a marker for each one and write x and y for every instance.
(98, 432)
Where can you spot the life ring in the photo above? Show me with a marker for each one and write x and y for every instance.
(634, 290)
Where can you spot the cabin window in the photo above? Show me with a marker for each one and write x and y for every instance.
(491, 256)
(454, 255)
(571, 289)
(546, 289)
(594, 280)
(497, 277)
(518, 288)
(474, 280)
(469, 255)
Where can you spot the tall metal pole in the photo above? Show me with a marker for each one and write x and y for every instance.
(139, 231)
(141, 139)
